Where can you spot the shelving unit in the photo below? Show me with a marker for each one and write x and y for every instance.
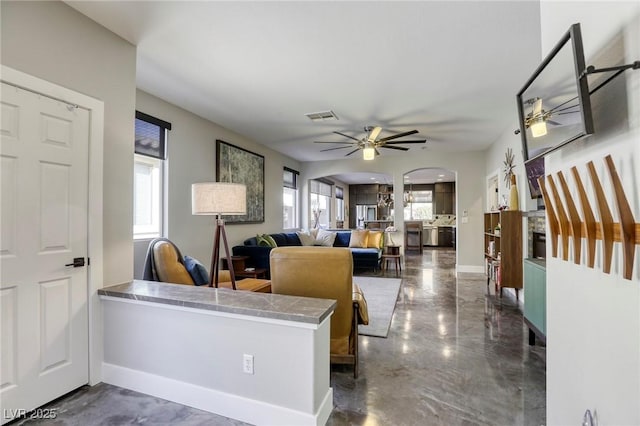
(503, 249)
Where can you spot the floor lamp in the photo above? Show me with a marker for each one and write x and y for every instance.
(217, 198)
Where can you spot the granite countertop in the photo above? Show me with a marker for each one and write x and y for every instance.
(263, 305)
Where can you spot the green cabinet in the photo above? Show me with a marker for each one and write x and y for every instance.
(535, 298)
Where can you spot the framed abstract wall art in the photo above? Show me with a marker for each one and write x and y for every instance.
(237, 165)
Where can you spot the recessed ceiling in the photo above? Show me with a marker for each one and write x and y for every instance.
(449, 69)
(426, 175)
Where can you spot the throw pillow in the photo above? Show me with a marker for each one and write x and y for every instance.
(375, 239)
(359, 238)
(306, 238)
(325, 238)
(266, 240)
(272, 241)
(198, 272)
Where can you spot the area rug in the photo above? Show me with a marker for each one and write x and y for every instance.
(381, 295)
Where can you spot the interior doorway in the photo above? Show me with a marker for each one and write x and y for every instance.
(53, 207)
(493, 191)
(430, 205)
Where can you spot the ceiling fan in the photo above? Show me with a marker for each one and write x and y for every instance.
(538, 113)
(370, 143)
(538, 118)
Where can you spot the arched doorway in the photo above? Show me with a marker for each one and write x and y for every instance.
(429, 200)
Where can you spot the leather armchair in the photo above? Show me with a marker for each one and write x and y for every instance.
(324, 272)
(165, 263)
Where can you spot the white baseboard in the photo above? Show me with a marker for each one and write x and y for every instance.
(213, 401)
(470, 268)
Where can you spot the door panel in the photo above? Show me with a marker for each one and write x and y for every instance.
(9, 306)
(54, 207)
(44, 158)
(8, 188)
(55, 330)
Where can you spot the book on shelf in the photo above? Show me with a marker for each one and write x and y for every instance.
(492, 267)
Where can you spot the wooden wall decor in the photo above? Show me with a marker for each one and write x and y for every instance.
(627, 222)
(606, 219)
(565, 230)
(589, 219)
(551, 217)
(574, 219)
(571, 225)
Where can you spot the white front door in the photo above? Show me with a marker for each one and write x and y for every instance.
(44, 193)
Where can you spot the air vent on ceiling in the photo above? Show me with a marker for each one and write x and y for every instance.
(323, 115)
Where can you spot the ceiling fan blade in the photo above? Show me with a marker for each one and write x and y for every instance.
(399, 148)
(399, 135)
(347, 143)
(397, 142)
(331, 149)
(374, 133)
(537, 107)
(555, 123)
(376, 150)
(357, 149)
(346, 136)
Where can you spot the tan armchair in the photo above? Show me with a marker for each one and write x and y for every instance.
(324, 272)
(165, 263)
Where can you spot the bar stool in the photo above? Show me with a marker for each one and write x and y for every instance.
(413, 236)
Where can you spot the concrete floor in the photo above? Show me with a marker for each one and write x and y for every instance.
(455, 355)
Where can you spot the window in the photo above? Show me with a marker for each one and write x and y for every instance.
(320, 203)
(290, 211)
(148, 176)
(419, 205)
(339, 204)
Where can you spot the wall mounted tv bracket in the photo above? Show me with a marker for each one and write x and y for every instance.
(593, 70)
(618, 70)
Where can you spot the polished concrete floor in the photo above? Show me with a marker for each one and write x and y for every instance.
(455, 355)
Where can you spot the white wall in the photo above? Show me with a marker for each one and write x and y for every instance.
(593, 319)
(470, 172)
(54, 42)
(192, 158)
(148, 351)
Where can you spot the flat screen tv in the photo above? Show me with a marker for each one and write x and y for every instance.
(553, 106)
(534, 169)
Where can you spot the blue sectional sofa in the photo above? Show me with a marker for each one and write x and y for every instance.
(258, 256)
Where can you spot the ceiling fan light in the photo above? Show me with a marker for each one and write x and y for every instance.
(538, 127)
(368, 153)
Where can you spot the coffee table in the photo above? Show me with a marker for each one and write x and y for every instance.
(249, 284)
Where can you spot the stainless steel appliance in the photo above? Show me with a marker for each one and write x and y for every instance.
(430, 235)
(366, 212)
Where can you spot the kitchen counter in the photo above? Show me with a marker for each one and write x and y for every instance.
(262, 305)
(189, 344)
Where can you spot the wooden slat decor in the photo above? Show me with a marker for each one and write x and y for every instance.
(551, 217)
(589, 226)
(625, 231)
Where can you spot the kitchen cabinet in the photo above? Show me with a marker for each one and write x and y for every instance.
(362, 195)
(367, 198)
(445, 198)
(446, 236)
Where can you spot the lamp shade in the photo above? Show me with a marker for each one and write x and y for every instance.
(368, 153)
(538, 127)
(211, 198)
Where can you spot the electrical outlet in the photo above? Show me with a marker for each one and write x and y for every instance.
(247, 364)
